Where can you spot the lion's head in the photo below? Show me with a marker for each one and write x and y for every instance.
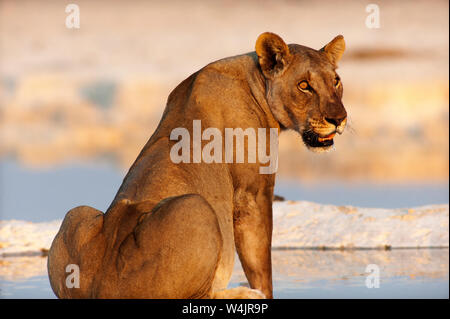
(304, 91)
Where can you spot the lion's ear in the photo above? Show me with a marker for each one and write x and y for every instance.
(273, 54)
(335, 49)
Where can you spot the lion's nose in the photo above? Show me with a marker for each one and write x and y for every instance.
(335, 121)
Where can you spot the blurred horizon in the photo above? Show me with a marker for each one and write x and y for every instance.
(96, 94)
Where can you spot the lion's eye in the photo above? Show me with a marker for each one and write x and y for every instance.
(304, 86)
(337, 81)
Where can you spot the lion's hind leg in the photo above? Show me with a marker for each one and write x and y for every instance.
(173, 252)
(78, 243)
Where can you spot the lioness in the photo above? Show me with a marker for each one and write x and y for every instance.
(172, 229)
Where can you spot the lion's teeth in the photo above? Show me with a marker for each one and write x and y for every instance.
(326, 138)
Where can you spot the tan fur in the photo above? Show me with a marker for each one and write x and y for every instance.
(172, 229)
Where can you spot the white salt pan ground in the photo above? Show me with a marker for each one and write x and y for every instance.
(22, 237)
(297, 224)
(306, 225)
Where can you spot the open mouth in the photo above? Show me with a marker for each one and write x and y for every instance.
(312, 139)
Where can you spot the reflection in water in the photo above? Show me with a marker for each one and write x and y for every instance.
(22, 267)
(311, 265)
(24, 277)
(404, 273)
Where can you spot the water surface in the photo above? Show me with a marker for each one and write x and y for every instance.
(297, 274)
(47, 194)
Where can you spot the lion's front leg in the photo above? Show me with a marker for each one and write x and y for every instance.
(253, 238)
